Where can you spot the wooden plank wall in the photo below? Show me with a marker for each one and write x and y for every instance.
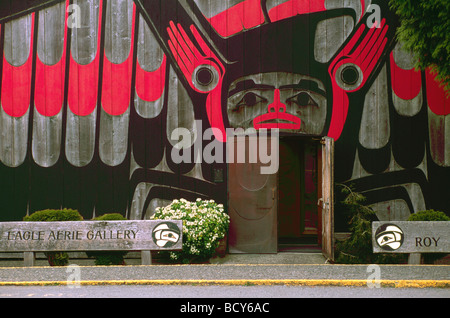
(90, 96)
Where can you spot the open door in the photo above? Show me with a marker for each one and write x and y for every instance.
(326, 196)
(252, 200)
(268, 209)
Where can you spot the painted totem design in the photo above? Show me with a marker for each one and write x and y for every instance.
(91, 91)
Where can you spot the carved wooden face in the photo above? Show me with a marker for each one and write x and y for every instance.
(291, 102)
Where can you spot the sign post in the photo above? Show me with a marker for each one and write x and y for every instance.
(411, 237)
(142, 235)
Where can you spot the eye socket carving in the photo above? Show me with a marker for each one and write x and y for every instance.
(349, 76)
(249, 99)
(205, 78)
(302, 99)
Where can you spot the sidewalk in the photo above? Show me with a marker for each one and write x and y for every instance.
(237, 269)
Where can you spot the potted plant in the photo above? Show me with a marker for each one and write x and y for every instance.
(49, 215)
(205, 224)
(108, 257)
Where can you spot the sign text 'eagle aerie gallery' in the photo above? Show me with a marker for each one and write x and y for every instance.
(91, 235)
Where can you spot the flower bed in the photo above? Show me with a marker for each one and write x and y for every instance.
(205, 223)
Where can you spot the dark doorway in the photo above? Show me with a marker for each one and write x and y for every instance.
(298, 215)
(287, 211)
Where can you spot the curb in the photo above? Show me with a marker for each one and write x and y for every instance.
(249, 282)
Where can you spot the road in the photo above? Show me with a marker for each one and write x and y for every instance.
(223, 292)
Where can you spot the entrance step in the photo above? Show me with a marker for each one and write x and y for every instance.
(279, 258)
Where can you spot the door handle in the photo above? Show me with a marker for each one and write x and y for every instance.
(323, 205)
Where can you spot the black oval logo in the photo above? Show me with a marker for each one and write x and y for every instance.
(389, 237)
(166, 234)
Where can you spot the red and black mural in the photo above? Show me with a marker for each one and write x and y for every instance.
(91, 91)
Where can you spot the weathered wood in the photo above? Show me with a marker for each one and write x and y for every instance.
(411, 237)
(90, 235)
(327, 199)
(29, 258)
(146, 257)
(414, 258)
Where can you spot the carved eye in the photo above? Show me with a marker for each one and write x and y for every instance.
(248, 100)
(302, 99)
(349, 76)
(205, 77)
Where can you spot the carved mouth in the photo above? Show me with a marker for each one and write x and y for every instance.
(277, 120)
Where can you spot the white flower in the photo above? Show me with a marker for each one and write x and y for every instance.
(204, 222)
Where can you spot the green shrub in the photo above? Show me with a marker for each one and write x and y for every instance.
(430, 215)
(109, 257)
(357, 249)
(54, 215)
(51, 215)
(110, 217)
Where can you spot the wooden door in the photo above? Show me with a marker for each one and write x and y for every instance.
(326, 209)
(252, 205)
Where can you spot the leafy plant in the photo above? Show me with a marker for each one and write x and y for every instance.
(54, 215)
(357, 249)
(430, 215)
(51, 215)
(108, 257)
(424, 30)
(204, 224)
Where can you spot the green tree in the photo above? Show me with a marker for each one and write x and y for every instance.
(357, 248)
(424, 30)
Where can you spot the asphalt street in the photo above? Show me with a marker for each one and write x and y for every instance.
(225, 273)
(242, 270)
(217, 292)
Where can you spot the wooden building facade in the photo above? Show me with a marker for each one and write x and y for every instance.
(93, 91)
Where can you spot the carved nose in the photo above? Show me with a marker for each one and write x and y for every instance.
(276, 106)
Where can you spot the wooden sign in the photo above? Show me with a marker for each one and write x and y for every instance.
(91, 235)
(411, 237)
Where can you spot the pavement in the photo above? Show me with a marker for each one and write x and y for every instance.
(309, 269)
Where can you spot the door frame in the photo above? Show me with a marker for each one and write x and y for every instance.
(326, 197)
(300, 143)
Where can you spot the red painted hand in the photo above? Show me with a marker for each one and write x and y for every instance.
(363, 56)
(203, 71)
(351, 68)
